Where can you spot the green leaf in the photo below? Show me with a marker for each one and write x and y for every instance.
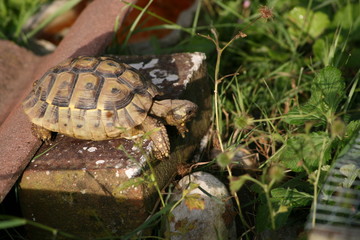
(319, 49)
(352, 129)
(308, 22)
(351, 172)
(327, 90)
(328, 86)
(262, 219)
(319, 22)
(347, 16)
(305, 113)
(282, 215)
(291, 197)
(305, 149)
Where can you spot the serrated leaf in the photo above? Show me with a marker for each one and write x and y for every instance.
(291, 197)
(305, 149)
(327, 90)
(352, 128)
(194, 201)
(328, 87)
(351, 172)
(305, 113)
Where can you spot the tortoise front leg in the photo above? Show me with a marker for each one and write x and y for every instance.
(158, 134)
(41, 133)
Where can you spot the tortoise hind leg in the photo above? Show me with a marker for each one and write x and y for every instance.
(41, 133)
(158, 134)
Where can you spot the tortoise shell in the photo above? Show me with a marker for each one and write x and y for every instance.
(92, 98)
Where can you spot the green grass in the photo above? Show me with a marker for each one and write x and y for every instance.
(15, 14)
(288, 91)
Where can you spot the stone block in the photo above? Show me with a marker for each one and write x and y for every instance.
(79, 187)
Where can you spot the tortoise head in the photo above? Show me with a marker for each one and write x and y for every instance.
(176, 112)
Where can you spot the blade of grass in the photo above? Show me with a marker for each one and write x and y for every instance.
(196, 18)
(159, 17)
(136, 22)
(11, 223)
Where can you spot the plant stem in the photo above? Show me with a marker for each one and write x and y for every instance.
(316, 183)
(217, 98)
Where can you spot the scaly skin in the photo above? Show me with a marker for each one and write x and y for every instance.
(41, 133)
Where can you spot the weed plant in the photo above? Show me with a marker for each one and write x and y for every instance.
(286, 81)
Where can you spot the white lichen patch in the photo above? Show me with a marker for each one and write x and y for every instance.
(133, 172)
(172, 77)
(47, 173)
(100, 162)
(92, 149)
(148, 65)
(197, 60)
(151, 64)
(158, 76)
(137, 65)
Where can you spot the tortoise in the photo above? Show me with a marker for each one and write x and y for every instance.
(100, 98)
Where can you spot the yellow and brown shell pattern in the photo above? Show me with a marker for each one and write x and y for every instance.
(94, 98)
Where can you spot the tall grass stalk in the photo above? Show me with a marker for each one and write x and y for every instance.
(136, 22)
(316, 184)
(266, 14)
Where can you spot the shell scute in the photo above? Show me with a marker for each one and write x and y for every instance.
(63, 87)
(84, 64)
(110, 68)
(86, 91)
